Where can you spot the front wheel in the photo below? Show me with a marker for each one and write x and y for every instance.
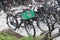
(30, 29)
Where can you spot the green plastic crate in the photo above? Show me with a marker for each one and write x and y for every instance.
(27, 15)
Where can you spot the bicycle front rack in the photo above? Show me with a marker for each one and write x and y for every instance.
(27, 15)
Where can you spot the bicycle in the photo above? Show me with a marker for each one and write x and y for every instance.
(37, 19)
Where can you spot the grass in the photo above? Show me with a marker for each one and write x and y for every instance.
(7, 36)
(11, 35)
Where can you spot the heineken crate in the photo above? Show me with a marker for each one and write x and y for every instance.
(27, 15)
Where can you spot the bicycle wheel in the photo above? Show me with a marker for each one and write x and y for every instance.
(30, 29)
(54, 17)
(11, 21)
(43, 25)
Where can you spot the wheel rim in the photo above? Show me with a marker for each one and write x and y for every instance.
(43, 26)
(30, 30)
(11, 19)
(42, 23)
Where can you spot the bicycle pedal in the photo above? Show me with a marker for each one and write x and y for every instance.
(14, 24)
(15, 29)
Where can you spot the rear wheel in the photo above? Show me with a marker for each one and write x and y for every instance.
(11, 21)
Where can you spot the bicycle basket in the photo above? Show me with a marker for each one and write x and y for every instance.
(27, 15)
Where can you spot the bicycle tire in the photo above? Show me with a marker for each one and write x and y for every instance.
(38, 21)
(7, 18)
(26, 27)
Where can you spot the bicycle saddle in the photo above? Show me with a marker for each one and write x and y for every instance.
(24, 10)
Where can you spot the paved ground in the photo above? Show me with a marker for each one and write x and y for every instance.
(3, 26)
